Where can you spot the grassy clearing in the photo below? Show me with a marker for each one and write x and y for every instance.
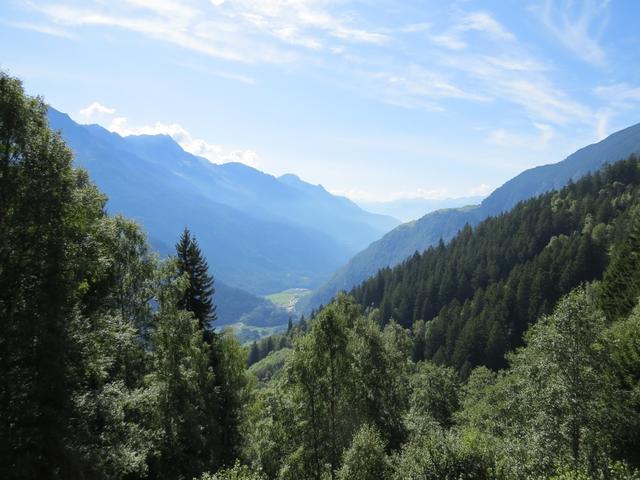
(288, 298)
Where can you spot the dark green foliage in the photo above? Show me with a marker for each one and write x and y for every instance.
(621, 281)
(184, 383)
(434, 394)
(479, 293)
(625, 370)
(343, 374)
(229, 362)
(262, 348)
(558, 408)
(366, 458)
(46, 211)
(197, 295)
(442, 455)
(237, 472)
(103, 375)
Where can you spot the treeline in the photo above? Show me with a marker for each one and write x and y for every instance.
(350, 403)
(109, 367)
(470, 301)
(260, 349)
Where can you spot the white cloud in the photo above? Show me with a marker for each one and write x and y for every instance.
(416, 27)
(521, 82)
(45, 29)
(247, 31)
(481, 190)
(413, 85)
(484, 22)
(578, 26)
(475, 58)
(356, 35)
(544, 101)
(602, 129)
(452, 42)
(620, 94)
(213, 37)
(94, 108)
(475, 21)
(248, 157)
(213, 152)
(503, 138)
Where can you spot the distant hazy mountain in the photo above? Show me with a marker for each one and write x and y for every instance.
(419, 235)
(408, 209)
(260, 233)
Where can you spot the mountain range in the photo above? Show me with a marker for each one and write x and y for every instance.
(259, 233)
(264, 234)
(417, 236)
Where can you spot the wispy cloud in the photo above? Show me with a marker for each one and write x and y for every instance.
(416, 27)
(620, 94)
(481, 21)
(495, 66)
(578, 25)
(520, 80)
(212, 38)
(503, 138)
(44, 29)
(481, 190)
(304, 16)
(417, 86)
(214, 72)
(463, 56)
(231, 30)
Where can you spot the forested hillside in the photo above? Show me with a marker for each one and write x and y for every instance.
(110, 368)
(479, 293)
(399, 244)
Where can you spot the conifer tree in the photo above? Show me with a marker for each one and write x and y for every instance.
(621, 281)
(197, 297)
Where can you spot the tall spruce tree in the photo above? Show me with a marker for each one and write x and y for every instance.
(197, 297)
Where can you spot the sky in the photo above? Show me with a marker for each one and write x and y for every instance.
(375, 100)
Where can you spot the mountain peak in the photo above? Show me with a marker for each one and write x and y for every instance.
(289, 177)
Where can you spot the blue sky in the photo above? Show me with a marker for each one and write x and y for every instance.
(377, 100)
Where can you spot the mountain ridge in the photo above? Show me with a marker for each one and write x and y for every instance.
(404, 240)
(258, 233)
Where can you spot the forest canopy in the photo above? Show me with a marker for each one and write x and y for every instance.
(512, 352)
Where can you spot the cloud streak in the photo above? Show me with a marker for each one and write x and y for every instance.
(434, 64)
(232, 30)
(503, 138)
(578, 26)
